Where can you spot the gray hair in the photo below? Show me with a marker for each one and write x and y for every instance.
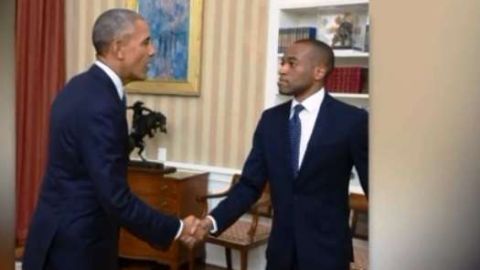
(112, 24)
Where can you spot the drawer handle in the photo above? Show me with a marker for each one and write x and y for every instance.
(164, 187)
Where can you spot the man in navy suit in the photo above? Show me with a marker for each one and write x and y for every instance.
(84, 197)
(305, 149)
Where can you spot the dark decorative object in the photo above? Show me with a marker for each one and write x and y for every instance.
(342, 38)
(145, 122)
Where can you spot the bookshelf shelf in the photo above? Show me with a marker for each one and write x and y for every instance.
(309, 4)
(346, 95)
(350, 53)
(337, 95)
(344, 54)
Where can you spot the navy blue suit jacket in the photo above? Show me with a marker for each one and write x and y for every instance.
(310, 223)
(84, 196)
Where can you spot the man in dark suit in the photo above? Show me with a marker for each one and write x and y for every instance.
(305, 149)
(84, 197)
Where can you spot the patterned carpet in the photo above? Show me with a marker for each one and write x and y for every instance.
(139, 265)
(360, 253)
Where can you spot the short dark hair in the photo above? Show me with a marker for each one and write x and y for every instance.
(112, 24)
(323, 52)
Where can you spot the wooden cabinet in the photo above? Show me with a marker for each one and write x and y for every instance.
(174, 194)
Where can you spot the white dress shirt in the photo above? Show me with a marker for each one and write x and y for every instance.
(119, 87)
(308, 117)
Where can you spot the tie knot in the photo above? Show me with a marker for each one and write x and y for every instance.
(297, 109)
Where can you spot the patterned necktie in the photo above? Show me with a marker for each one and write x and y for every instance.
(295, 128)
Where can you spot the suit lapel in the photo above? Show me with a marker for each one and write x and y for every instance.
(318, 132)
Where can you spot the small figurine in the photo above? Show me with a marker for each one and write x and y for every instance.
(343, 30)
(144, 122)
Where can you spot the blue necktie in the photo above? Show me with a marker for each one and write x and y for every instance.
(295, 128)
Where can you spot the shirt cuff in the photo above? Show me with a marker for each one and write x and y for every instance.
(180, 229)
(214, 223)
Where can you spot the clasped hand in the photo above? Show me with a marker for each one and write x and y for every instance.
(195, 230)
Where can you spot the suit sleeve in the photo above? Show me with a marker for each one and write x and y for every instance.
(103, 151)
(249, 188)
(359, 148)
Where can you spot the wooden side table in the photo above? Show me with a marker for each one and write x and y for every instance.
(171, 194)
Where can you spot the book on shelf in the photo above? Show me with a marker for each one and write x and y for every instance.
(287, 36)
(361, 37)
(351, 80)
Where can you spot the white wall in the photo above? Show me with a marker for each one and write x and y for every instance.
(7, 133)
(425, 134)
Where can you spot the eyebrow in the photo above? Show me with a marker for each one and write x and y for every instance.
(290, 58)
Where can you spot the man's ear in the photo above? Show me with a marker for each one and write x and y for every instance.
(117, 49)
(319, 72)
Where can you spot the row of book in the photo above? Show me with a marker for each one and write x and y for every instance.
(359, 37)
(347, 80)
(289, 35)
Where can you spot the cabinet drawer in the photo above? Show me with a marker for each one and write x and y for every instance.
(146, 186)
(163, 204)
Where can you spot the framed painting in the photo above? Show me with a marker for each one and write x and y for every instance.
(175, 27)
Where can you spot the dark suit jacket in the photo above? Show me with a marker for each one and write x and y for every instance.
(84, 197)
(310, 224)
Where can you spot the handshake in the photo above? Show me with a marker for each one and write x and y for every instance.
(195, 230)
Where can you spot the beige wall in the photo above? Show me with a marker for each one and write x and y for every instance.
(425, 146)
(216, 128)
(7, 133)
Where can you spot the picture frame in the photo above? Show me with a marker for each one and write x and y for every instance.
(174, 69)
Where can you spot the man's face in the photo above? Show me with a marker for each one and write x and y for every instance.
(296, 73)
(137, 51)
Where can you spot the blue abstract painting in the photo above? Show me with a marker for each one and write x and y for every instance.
(169, 27)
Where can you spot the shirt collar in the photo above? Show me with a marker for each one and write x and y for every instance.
(312, 103)
(113, 76)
